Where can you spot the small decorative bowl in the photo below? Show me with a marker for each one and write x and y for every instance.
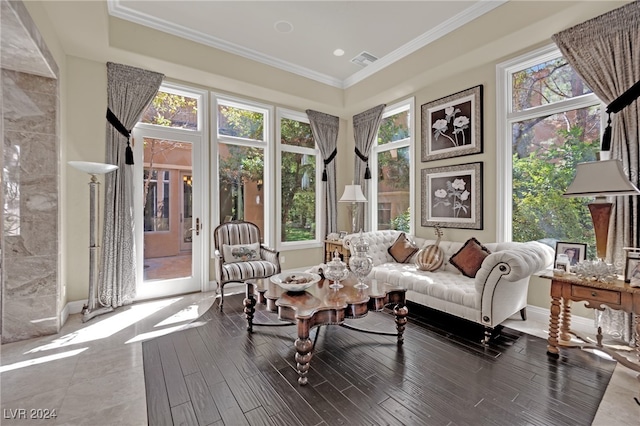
(295, 281)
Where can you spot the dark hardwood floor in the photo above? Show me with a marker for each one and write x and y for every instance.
(216, 373)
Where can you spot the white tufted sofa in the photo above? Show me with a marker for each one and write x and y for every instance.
(498, 291)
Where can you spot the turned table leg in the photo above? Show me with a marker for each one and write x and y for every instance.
(554, 319)
(565, 323)
(400, 312)
(249, 305)
(304, 347)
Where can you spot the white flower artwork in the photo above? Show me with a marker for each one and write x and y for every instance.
(452, 126)
(452, 196)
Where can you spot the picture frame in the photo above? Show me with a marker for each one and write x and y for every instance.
(576, 252)
(452, 126)
(452, 196)
(632, 269)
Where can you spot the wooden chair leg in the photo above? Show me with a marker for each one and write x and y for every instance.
(221, 297)
(523, 314)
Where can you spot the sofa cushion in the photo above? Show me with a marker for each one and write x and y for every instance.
(402, 249)
(469, 258)
(241, 252)
(448, 286)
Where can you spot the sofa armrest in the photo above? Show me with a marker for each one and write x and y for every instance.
(518, 262)
(503, 279)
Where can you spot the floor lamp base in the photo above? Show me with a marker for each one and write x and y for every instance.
(87, 313)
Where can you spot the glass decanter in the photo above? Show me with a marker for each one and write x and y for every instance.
(360, 261)
(336, 271)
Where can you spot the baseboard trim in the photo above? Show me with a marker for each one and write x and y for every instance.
(542, 315)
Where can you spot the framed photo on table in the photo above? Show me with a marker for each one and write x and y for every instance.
(452, 126)
(452, 196)
(632, 268)
(576, 252)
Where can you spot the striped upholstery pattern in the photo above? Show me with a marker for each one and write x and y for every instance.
(240, 271)
(235, 233)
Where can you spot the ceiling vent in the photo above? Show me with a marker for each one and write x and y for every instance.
(364, 59)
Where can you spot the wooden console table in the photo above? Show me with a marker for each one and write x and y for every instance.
(617, 295)
(332, 245)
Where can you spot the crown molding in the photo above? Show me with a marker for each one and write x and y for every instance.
(118, 10)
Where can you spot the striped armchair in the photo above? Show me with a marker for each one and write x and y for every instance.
(240, 256)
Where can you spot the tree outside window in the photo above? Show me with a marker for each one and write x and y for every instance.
(393, 165)
(298, 163)
(555, 124)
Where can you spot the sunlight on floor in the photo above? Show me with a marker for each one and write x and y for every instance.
(108, 326)
(188, 314)
(40, 360)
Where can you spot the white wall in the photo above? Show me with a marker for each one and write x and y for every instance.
(455, 62)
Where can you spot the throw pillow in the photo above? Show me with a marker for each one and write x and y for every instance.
(469, 258)
(402, 249)
(241, 252)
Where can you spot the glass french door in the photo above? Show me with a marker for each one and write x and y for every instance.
(169, 212)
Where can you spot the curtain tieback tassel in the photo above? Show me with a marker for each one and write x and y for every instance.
(327, 162)
(113, 120)
(367, 172)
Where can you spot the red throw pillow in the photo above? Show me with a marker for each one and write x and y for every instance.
(469, 258)
(402, 249)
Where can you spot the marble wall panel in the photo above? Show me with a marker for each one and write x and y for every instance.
(30, 288)
(30, 153)
(26, 110)
(25, 318)
(31, 276)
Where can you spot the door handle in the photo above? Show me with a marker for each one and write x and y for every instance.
(197, 228)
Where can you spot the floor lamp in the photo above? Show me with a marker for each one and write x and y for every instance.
(90, 310)
(353, 194)
(601, 179)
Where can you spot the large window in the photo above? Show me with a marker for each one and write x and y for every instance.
(299, 164)
(243, 150)
(391, 193)
(551, 122)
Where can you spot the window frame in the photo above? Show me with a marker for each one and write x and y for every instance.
(187, 91)
(372, 194)
(280, 148)
(266, 145)
(505, 117)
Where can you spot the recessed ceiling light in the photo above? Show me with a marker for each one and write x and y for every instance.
(338, 52)
(283, 26)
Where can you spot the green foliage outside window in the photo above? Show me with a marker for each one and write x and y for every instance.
(539, 180)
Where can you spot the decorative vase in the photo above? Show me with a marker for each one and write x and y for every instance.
(430, 258)
(336, 271)
(360, 262)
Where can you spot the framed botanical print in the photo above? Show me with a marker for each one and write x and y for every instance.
(452, 126)
(452, 196)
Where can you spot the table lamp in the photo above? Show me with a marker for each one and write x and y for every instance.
(600, 179)
(89, 310)
(353, 194)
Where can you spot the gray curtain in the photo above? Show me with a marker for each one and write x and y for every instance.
(130, 90)
(325, 132)
(365, 129)
(605, 51)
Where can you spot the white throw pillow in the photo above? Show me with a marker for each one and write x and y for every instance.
(241, 252)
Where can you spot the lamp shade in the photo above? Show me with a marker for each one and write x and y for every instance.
(93, 168)
(353, 194)
(600, 179)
